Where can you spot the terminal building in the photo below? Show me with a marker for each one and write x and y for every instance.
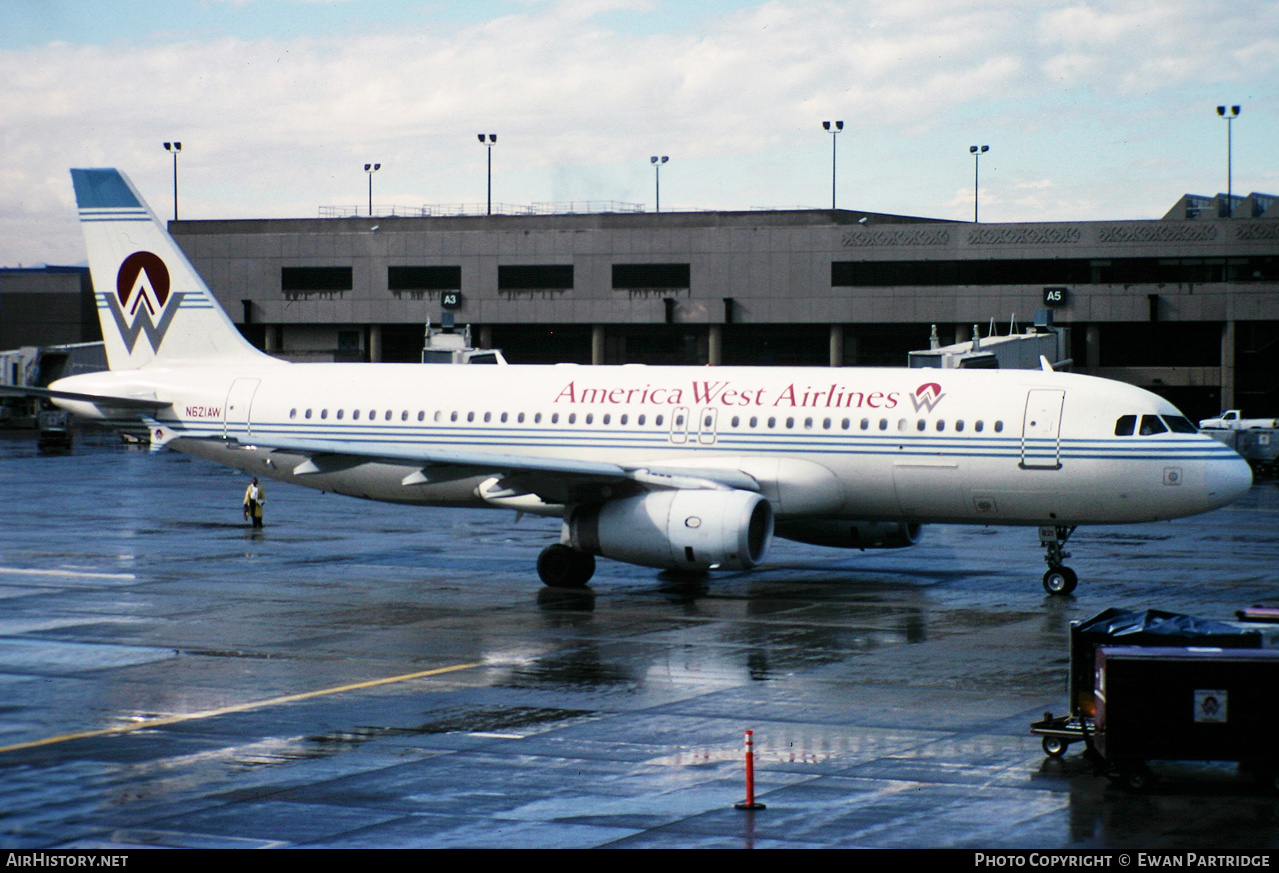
(1186, 305)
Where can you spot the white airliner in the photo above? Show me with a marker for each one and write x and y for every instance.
(681, 468)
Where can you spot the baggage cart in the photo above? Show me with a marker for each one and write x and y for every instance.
(1186, 704)
(1150, 627)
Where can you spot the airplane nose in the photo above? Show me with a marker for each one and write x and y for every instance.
(1228, 480)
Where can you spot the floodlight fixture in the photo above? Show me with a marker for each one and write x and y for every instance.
(833, 128)
(976, 152)
(657, 171)
(1230, 117)
(174, 148)
(489, 143)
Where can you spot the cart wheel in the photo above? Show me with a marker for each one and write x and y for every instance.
(1055, 747)
(1136, 779)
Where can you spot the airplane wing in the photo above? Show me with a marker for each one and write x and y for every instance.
(553, 480)
(149, 403)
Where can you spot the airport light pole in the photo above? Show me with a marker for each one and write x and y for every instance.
(657, 170)
(834, 132)
(976, 152)
(174, 147)
(489, 143)
(371, 169)
(1230, 119)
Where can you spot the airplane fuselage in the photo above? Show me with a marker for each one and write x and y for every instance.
(1004, 447)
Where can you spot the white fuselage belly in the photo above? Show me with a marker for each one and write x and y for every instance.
(859, 443)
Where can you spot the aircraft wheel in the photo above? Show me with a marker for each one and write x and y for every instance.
(1060, 581)
(562, 567)
(1055, 747)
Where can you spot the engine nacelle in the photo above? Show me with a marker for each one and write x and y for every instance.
(850, 533)
(676, 529)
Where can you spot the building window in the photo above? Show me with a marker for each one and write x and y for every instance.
(424, 278)
(315, 279)
(515, 277)
(650, 275)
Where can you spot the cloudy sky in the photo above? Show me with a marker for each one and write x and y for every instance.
(1091, 109)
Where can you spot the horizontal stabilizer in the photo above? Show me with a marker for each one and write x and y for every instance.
(101, 400)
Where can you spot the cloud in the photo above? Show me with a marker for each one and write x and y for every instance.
(579, 98)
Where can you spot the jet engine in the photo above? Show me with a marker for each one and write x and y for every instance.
(676, 529)
(850, 533)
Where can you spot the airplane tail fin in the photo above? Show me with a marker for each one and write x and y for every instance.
(151, 302)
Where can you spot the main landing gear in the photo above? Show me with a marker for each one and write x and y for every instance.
(1060, 579)
(564, 567)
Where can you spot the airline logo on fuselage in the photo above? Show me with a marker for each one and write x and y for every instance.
(143, 301)
(926, 396)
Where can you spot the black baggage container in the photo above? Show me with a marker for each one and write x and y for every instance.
(1198, 704)
(1120, 627)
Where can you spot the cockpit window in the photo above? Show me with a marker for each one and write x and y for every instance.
(1125, 425)
(1179, 424)
(1151, 424)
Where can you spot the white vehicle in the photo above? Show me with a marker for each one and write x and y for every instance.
(1232, 419)
(681, 468)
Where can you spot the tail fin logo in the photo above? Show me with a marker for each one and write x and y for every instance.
(143, 302)
(926, 396)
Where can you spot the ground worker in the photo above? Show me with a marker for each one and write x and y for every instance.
(254, 498)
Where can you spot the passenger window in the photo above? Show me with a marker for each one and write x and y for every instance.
(590, 418)
(308, 413)
(999, 427)
(754, 421)
(622, 421)
(825, 424)
(640, 420)
(1125, 425)
(902, 424)
(324, 413)
(388, 415)
(921, 425)
(355, 415)
(340, 413)
(372, 414)
(607, 418)
(293, 413)
(772, 422)
(1180, 424)
(883, 424)
(808, 424)
(846, 424)
(979, 426)
(470, 416)
(555, 418)
(421, 415)
(941, 425)
(488, 416)
(404, 416)
(658, 421)
(790, 422)
(572, 418)
(736, 421)
(959, 426)
(519, 419)
(1150, 425)
(865, 424)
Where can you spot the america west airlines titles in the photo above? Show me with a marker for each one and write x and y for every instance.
(724, 393)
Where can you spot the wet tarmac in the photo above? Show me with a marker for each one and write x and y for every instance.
(362, 675)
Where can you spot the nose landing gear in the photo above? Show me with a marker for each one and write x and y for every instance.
(1060, 580)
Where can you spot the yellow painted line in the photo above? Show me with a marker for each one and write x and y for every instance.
(239, 707)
